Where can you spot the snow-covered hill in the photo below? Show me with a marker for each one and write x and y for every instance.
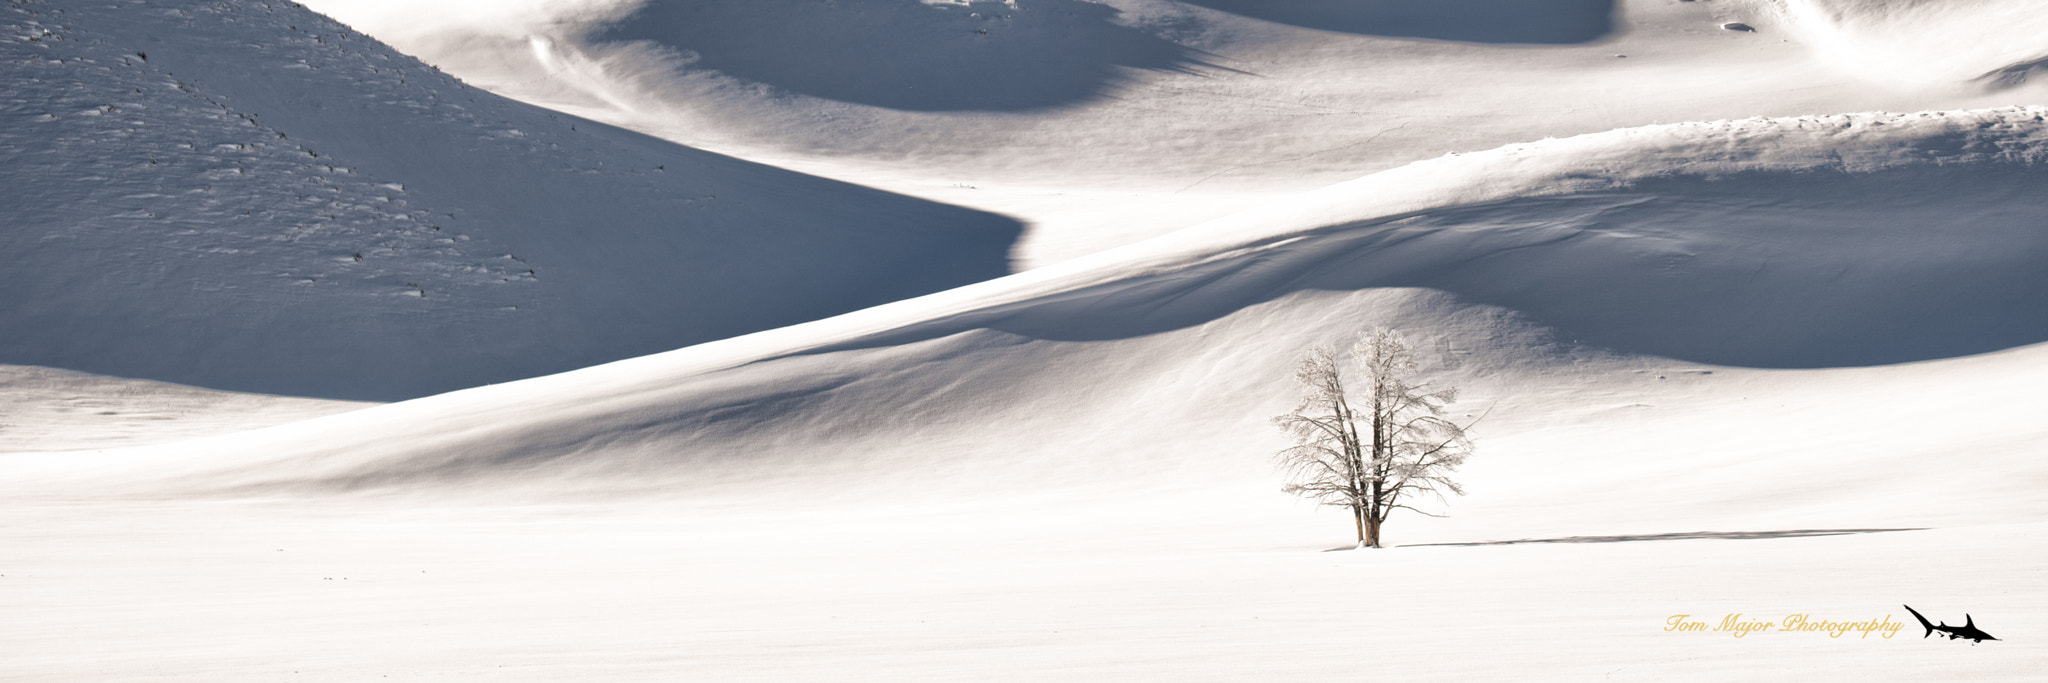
(1777, 360)
(246, 195)
(1064, 472)
(1140, 117)
(1806, 242)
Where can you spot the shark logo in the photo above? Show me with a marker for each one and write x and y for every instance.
(1967, 630)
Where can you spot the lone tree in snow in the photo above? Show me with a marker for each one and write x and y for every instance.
(1377, 450)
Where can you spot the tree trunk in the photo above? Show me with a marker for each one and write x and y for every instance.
(1376, 511)
(1358, 515)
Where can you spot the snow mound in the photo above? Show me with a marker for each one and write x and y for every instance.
(249, 196)
(1923, 42)
(1796, 242)
(1830, 241)
(1856, 239)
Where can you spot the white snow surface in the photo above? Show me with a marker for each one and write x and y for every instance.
(1774, 360)
(46, 409)
(249, 196)
(1989, 43)
(1103, 123)
(1829, 242)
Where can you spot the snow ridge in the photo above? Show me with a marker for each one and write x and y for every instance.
(1794, 242)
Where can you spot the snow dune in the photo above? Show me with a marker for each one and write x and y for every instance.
(1134, 118)
(250, 196)
(1983, 43)
(1758, 365)
(1805, 242)
(1063, 473)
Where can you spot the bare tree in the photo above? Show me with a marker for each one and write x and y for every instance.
(1377, 451)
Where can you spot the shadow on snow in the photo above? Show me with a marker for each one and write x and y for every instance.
(906, 54)
(1470, 21)
(1677, 536)
(1768, 270)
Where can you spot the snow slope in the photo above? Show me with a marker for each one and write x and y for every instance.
(1987, 43)
(46, 409)
(1158, 114)
(1852, 240)
(1766, 366)
(1064, 472)
(248, 196)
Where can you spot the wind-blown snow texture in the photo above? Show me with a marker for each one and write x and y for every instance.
(246, 195)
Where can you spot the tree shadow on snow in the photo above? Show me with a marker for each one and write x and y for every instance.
(1677, 536)
(905, 54)
(1470, 21)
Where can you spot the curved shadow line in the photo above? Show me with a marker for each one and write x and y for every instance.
(1523, 22)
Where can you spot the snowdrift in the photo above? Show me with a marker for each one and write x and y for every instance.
(1100, 128)
(249, 196)
(1534, 271)
(1993, 44)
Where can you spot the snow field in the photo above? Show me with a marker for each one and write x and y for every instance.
(1778, 360)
